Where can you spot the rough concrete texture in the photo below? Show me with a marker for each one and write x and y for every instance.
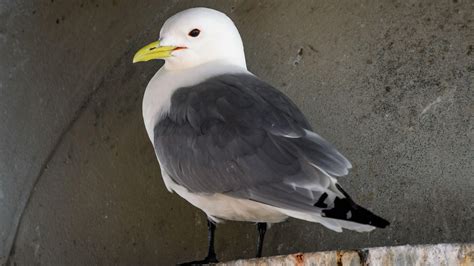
(441, 254)
(388, 82)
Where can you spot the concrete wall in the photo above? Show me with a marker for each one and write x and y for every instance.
(389, 82)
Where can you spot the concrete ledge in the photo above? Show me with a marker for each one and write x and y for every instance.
(441, 254)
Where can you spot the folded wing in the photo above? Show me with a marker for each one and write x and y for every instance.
(237, 135)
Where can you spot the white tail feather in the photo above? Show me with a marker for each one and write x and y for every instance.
(333, 224)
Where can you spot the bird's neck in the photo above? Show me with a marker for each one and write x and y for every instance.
(174, 64)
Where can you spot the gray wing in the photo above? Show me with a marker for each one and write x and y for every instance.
(236, 134)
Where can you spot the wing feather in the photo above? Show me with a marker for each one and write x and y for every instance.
(236, 134)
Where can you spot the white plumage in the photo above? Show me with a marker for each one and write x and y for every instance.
(232, 145)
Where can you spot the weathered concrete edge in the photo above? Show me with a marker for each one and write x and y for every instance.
(439, 254)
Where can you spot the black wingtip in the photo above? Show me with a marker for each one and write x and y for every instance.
(375, 220)
(346, 209)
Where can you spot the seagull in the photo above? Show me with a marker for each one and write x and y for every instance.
(231, 144)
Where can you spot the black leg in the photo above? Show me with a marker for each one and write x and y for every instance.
(211, 229)
(261, 228)
(211, 254)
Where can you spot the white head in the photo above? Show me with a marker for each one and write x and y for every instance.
(194, 37)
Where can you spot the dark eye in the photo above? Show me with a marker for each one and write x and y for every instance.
(194, 33)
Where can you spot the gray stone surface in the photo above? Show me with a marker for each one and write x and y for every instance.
(389, 82)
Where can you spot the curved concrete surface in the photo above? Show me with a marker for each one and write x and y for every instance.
(390, 83)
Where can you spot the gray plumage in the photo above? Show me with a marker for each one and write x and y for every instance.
(236, 135)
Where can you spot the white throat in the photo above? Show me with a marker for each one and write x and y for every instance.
(157, 98)
(183, 59)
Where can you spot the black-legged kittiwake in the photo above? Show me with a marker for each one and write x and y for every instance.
(230, 143)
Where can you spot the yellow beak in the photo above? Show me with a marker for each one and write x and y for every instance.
(153, 51)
